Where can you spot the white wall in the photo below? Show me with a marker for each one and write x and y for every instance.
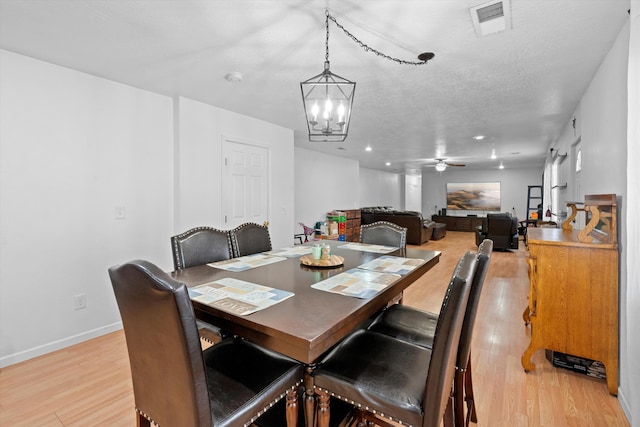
(601, 126)
(630, 344)
(513, 188)
(73, 147)
(413, 193)
(322, 183)
(378, 188)
(202, 129)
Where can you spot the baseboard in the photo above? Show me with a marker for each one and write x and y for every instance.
(626, 408)
(21, 356)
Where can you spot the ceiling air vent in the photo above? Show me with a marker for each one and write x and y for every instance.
(491, 17)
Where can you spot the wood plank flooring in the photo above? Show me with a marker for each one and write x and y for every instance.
(89, 384)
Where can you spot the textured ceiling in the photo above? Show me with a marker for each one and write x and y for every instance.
(517, 87)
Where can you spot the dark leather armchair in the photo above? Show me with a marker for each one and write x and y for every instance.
(419, 327)
(199, 246)
(384, 233)
(175, 383)
(391, 378)
(501, 228)
(250, 238)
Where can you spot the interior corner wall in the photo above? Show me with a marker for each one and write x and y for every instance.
(322, 183)
(630, 344)
(73, 148)
(602, 126)
(202, 130)
(379, 188)
(513, 188)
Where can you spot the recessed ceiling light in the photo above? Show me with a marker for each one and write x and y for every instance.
(368, 148)
(479, 137)
(233, 77)
(388, 164)
(501, 166)
(493, 155)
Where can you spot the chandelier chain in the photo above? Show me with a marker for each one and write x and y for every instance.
(363, 45)
(326, 24)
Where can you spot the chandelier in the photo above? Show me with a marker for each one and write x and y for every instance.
(328, 98)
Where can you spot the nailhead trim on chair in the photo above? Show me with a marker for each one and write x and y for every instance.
(270, 404)
(180, 262)
(361, 406)
(254, 418)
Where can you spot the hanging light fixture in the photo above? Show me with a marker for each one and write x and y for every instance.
(328, 98)
(441, 166)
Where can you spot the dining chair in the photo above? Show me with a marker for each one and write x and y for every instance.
(384, 233)
(250, 238)
(419, 327)
(199, 246)
(393, 380)
(175, 383)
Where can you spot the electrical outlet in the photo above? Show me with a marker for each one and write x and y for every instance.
(120, 212)
(80, 301)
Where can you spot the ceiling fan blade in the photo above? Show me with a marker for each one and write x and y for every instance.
(455, 164)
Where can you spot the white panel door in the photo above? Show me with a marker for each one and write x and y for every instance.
(245, 183)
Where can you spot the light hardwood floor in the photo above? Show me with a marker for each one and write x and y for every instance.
(89, 384)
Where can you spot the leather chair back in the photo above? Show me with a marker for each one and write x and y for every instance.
(250, 238)
(200, 245)
(384, 233)
(501, 229)
(446, 340)
(164, 346)
(484, 256)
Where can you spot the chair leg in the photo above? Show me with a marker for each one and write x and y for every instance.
(292, 407)
(468, 394)
(141, 420)
(323, 408)
(458, 397)
(447, 419)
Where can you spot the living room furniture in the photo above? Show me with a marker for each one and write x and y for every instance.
(384, 233)
(419, 230)
(419, 327)
(439, 231)
(502, 228)
(458, 223)
(175, 383)
(390, 379)
(573, 296)
(308, 324)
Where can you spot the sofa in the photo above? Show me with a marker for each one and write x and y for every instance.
(502, 228)
(419, 230)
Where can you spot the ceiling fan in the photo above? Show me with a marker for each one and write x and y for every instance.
(441, 165)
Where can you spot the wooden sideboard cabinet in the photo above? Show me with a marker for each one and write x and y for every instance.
(458, 223)
(573, 296)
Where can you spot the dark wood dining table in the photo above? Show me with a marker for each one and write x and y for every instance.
(311, 322)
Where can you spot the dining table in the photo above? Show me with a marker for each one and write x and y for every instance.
(311, 321)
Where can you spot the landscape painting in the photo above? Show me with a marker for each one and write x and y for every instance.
(480, 196)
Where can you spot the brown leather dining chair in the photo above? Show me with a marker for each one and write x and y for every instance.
(419, 327)
(250, 238)
(175, 383)
(384, 233)
(390, 379)
(199, 246)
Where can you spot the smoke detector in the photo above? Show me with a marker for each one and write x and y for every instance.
(491, 17)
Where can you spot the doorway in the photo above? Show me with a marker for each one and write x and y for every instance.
(245, 183)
